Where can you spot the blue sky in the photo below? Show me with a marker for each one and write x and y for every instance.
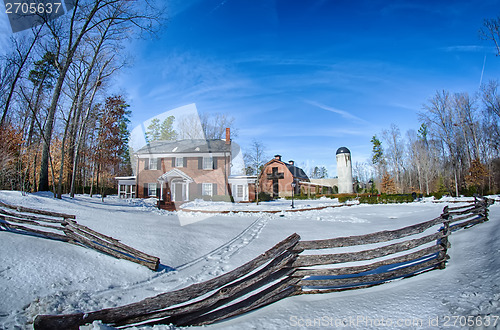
(307, 77)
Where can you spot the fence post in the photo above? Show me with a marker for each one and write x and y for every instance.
(444, 241)
(486, 203)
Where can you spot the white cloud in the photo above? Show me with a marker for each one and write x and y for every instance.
(469, 49)
(345, 114)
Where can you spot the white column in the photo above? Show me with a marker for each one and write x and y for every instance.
(161, 190)
(187, 191)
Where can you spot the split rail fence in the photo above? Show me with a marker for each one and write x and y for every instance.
(294, 267)
(63, 227)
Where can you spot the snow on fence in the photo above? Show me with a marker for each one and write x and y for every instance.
(290, 268)
(63, 227)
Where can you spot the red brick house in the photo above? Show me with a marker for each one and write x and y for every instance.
(178, 171)
(277, 176)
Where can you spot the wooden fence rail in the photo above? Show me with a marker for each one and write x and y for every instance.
(63, 227)
(287, 269)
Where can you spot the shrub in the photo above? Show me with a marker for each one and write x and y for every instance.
(385, 199)
(214, 198)
(302, 197)
(264, 197)
(437, 195)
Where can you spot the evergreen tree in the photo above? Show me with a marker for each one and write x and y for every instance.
(167, 131)
(164, 131)
(423, 131)
(377, 151)
(153, 132)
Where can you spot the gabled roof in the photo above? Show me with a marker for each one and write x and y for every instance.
(297, 172)
(184, 146)
(175, 173)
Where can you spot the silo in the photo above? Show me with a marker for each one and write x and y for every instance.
(344, 171)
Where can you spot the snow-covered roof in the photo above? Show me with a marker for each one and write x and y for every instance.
(185, 146)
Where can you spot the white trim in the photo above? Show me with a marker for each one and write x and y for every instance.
(204, 189)
(179, 161)
(175, 173)
(149, 188)
(208, 163)
(192, 154)
(153, 164)
(125, 177)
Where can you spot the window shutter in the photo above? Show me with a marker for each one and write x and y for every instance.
(214, 189)
(199, 189)
(146, 163)
(158, 192)
(145, 191)
(184, 162)
(200, 163)
(159, 165)
(173, 162)
(214, 161)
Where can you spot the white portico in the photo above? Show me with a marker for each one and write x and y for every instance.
(178, 183)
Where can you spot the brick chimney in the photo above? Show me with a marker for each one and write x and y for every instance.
(277, 157)
(291, 162)
(228, 135)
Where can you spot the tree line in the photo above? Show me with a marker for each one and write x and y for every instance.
(456, 149)
(60, 128)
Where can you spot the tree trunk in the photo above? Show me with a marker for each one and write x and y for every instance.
(63, 149)
(17, 76)
(72, 47)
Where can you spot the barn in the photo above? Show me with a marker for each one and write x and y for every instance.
(277, 177)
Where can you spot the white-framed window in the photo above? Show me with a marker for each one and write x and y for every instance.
(179, 161)
(207, 189)
(208, 163)
(152, 189)
(153, 163)
(239, 191)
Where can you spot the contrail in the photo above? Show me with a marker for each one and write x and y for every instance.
(482, 72)
(218, 6)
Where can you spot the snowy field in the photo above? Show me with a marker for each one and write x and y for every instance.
(39, 276)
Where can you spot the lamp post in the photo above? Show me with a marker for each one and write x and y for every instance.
(294, 184)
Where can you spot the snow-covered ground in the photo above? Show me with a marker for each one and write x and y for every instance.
(39, 276)
(274, 205)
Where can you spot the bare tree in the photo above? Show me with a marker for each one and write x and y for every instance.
(86, 19)
(394, 151)
(491, 31)
(189, 127)
(255, 158)
(214, 125)
(16, 63)
(440, 120)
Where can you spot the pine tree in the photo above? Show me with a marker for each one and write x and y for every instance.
(153, 132)
(377, 151)
(167, 131)
(164, 131)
